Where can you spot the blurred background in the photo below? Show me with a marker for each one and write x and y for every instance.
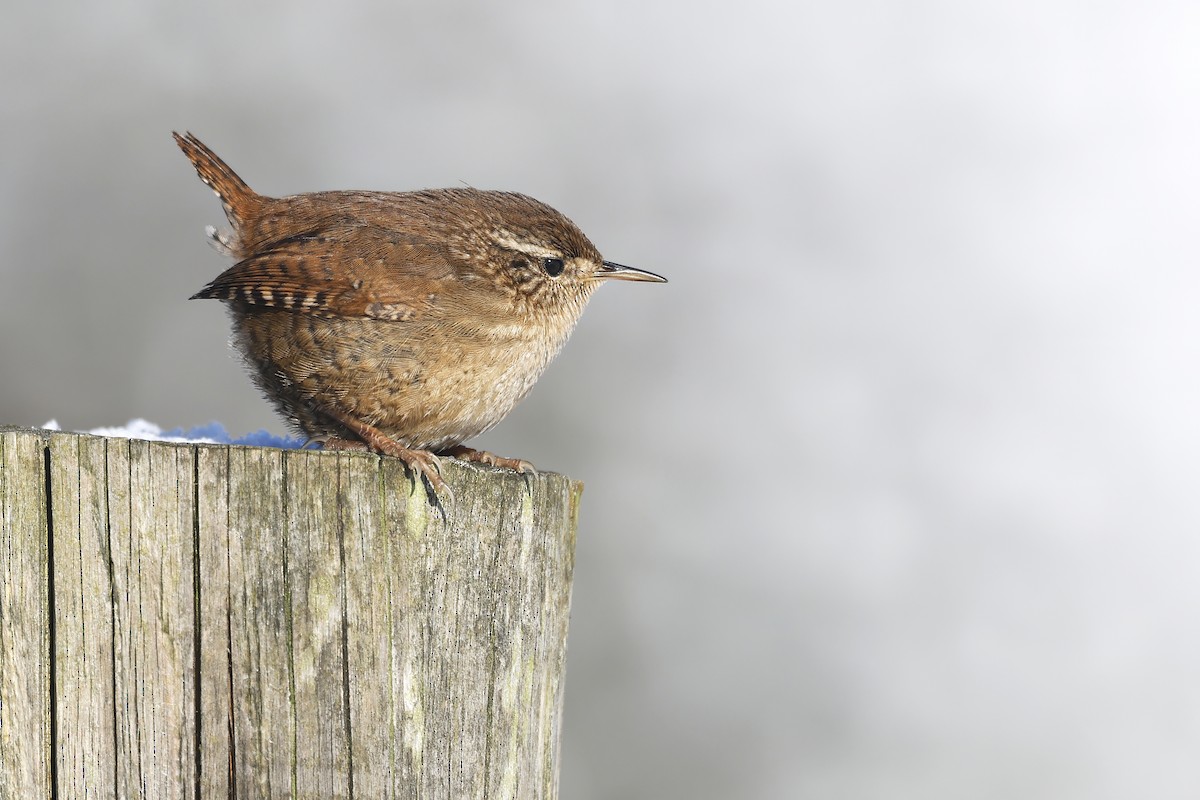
(890, 492)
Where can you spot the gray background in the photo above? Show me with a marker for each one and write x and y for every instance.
(890, 492)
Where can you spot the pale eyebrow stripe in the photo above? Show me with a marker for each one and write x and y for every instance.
(506, 239)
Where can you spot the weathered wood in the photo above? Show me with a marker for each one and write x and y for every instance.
(25, 709)
(83, 651)
(248, 622)
(215, 717)
(154, 615)
(260, 681)
(317, 613)
(368, 603)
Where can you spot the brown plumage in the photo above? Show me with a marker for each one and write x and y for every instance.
(403, 322)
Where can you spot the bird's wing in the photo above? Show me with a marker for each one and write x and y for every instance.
(343, 270)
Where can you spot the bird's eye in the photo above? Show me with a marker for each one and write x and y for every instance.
(553, 266)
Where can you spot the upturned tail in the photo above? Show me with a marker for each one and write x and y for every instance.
(241, 203)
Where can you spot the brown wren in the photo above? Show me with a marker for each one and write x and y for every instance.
(400, 322)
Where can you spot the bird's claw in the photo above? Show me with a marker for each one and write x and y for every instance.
(490, 459)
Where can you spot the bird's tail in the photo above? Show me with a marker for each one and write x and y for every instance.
(241, 203)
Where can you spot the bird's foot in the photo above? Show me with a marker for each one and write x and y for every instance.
(491, 459)
(421, 463)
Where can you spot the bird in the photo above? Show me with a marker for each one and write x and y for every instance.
(402, 323)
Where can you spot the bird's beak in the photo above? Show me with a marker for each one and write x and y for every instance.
(621, 273)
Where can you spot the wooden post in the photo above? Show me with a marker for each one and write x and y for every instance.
(205, 621)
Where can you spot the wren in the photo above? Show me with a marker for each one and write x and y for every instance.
(404, 323)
